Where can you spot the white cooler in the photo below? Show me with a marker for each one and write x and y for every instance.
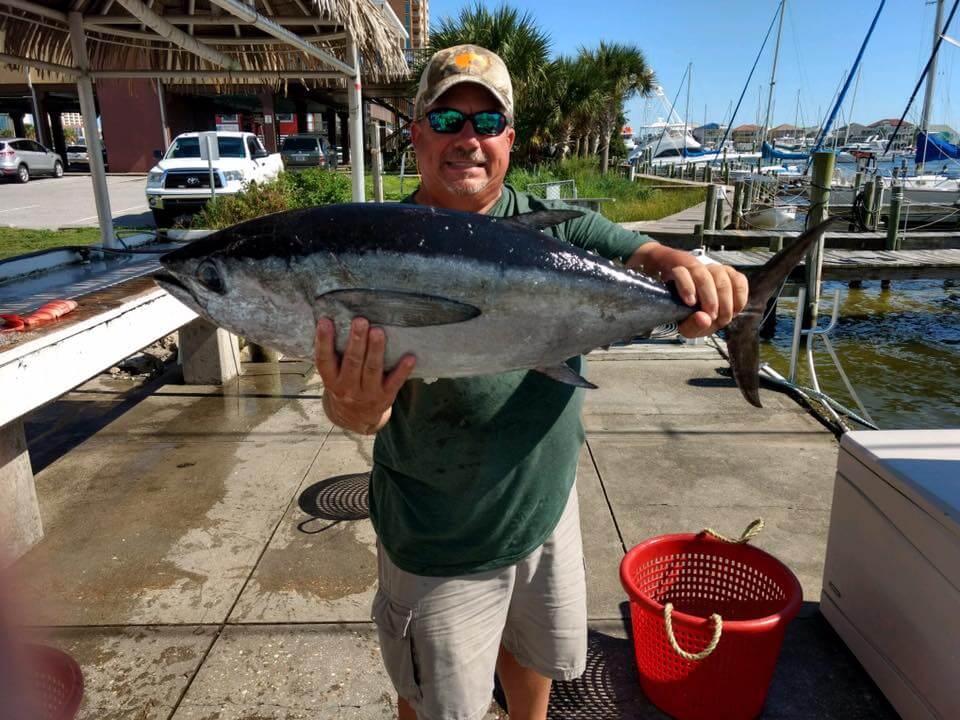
(891, 582)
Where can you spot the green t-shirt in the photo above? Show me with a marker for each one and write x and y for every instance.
(472, 474)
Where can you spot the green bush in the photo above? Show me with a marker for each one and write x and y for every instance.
(288, 192)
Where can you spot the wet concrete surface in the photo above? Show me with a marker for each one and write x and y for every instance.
(180, 570)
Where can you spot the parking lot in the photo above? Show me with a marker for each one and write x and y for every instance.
(52, 203)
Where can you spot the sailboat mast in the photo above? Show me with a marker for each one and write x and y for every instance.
(773, 73)
(931, 75)
(686, 114)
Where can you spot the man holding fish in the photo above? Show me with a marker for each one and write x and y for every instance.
(473, 492)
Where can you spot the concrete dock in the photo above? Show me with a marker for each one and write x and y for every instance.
(180, 571)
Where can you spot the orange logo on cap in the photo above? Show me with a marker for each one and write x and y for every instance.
(466, 59)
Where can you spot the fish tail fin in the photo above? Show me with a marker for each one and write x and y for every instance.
(743, 344)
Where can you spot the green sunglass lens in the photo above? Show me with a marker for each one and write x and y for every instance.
(488, 123)
(446, 121)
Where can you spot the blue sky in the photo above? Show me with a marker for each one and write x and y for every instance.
(721, 39)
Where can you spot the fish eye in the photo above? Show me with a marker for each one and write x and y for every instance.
(209, 276)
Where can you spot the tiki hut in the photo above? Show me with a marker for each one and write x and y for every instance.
(226, 43)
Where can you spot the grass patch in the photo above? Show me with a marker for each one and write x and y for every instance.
(18, 241)
(632, 200)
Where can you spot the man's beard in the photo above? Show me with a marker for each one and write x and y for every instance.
(466, 188)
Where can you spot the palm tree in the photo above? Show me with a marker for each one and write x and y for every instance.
(620, 71)
(516, 38)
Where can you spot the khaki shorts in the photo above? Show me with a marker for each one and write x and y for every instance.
(440, 636)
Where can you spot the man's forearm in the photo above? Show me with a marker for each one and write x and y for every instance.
(342, 418)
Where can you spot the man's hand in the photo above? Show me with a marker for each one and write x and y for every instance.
(357, 395)
(721, 290)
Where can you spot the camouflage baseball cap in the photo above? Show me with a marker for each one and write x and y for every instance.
(464, 63)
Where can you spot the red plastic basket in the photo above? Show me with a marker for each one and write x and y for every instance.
(55, 681)
(755, 595)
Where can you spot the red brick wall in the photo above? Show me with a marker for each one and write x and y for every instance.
(130, 121)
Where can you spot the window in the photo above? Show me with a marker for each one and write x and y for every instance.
(300, 144)
(252, 147)
(189, 147)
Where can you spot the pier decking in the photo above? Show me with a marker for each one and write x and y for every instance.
(179, 570)
(861, 264)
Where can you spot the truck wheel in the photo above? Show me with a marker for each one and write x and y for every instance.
(162, 218)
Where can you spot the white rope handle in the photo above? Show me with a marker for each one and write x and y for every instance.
(717, 630)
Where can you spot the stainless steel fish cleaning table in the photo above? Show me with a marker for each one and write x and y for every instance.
(120, 310)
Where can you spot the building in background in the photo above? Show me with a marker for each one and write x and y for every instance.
(709, 135)
(71, 120)
(415, 17)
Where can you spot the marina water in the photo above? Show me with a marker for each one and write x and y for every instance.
(899, 347)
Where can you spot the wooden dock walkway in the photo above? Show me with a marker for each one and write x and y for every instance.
(848, 256)
(746, 239)
(861, 264)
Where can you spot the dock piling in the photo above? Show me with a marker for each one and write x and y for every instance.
(710, 208)
(823, 163)
(737, 204)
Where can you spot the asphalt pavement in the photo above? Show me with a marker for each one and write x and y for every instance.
(52, 203)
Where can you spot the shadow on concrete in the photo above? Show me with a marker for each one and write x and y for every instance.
(816, 677)
(135, 220)
(344, 497)
(56, 428)
(609, 688)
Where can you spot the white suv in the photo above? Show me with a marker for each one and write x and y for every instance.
(23, 158)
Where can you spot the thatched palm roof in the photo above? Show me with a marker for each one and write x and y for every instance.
(232, 48)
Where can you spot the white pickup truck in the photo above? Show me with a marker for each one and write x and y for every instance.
(179, 184)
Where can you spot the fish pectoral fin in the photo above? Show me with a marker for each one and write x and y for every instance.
(400, 309)
(562, 373)
(540, 219)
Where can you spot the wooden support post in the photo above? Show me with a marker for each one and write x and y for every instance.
(877, 209)
(868, 191)
(823, 163)
(20, 525)
(209, 355)
(698, 233)
(776, 243)
(737, 204)
(709, 174)
(710, 207)
(718, 217)
(893, 219)
(726, 173)
(376, 161)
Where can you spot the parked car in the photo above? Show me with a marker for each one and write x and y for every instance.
(306, 151)
(77, 155)
(179, 184)
(22, 158)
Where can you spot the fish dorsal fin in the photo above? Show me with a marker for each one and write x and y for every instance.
(398, 308)
(565, 374)
(540, 219)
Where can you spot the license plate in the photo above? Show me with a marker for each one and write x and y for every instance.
(299, 157)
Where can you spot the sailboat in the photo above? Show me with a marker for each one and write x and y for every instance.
(922, 188)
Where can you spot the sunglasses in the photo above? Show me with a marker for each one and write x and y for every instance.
(450, 121)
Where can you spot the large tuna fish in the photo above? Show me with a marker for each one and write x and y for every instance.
(466, 294)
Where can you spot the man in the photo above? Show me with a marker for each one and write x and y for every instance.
(472, 493)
